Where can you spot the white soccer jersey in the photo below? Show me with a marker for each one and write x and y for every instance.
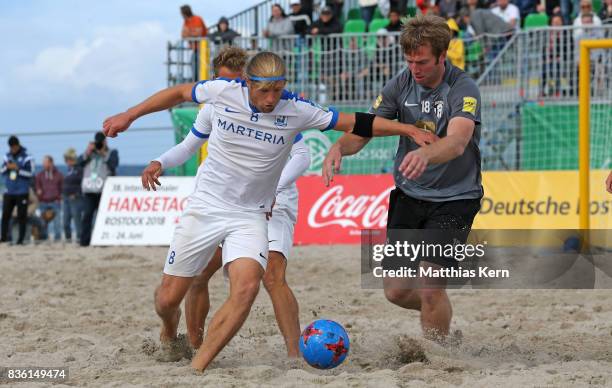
(247, 149)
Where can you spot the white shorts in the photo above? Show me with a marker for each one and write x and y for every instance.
(280, 232)
(201, 230)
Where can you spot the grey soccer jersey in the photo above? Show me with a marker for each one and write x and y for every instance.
(432, 109)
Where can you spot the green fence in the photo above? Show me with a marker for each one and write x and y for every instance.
(183, 119)
(550, 136)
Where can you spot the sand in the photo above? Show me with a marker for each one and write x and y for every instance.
(91, 309)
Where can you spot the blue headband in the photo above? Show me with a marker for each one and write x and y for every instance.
(266, 79)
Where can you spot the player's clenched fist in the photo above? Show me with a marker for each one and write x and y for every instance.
(609, 183)
(150, 174)
(331, 164)
(414, 164)
(117, 123)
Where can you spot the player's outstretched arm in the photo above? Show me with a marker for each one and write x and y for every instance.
(459, 134)
(369, 125)
(348, 144)
(161, 100)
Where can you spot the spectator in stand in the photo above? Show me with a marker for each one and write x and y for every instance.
(73, 201)
(384, 6)
(400, 6)
(605, 13)
(448, 9)
(18, 170)
(508, 12)
(224, 36)
(49, 187)
(193, 27)
(525, 7)
(327, 24)
(425, 6)
(307, 7)
(330, 57)
(456, 50)
(336, 5)
(395, 21)
(474, 4)
(279, 24)
(482, 21)
(553, 7)
(586, 7)
(98, 163)
(367, 10)
(353, 60)
(557, 54)
(300, 19)
(384, 64)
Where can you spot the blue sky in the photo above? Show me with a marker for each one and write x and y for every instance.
(68, 64)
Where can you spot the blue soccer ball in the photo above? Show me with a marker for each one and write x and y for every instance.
(324, 344)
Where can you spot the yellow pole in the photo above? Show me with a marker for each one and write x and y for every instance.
(204, 61)
(584, 147)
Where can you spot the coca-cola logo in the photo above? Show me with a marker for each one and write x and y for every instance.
(356, 211)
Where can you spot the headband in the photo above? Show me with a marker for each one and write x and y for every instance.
(267, 79)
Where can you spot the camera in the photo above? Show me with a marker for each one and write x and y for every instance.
(99, 141)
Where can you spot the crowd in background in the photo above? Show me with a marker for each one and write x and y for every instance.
(345, 65)
(473, 17)
(49, 205)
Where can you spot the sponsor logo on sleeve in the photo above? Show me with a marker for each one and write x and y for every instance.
(378, 101)
(469, 105)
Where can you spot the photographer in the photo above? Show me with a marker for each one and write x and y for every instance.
(18, 170)
(98, 163)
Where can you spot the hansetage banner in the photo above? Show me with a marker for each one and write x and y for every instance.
(130, 215)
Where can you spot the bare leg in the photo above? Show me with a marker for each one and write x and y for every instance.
(197, 303)
(168, 297)
(436, 313)
(436, 310)
(284, 302)
(432, 302)
(402, 292)
(245, 275)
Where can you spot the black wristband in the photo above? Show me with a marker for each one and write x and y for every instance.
(363, 124)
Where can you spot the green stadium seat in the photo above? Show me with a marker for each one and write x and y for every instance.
(378, 14)
(535, 20)
(377, 24)
(355, 26)
(597, 4)
(474, 52)
(354, 14)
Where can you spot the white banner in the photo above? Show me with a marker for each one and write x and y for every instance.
(130, 215)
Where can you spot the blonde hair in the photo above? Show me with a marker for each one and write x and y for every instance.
(426, 29)
(233, 58)
(266, 64)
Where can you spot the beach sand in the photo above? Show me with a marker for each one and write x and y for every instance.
(91, 310)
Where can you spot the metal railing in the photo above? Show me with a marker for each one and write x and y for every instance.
(530, 100)
(253, 20)
(339, 69)
(516, 75)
